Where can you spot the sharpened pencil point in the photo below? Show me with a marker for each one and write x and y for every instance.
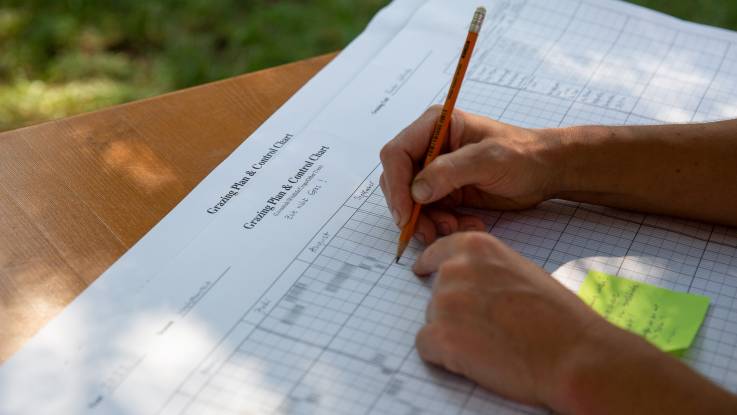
(397, 260)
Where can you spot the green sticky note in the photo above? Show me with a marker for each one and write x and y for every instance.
(667, 319)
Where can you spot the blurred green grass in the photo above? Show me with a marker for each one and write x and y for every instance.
(63, 57)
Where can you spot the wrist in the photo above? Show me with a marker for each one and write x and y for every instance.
(583, 159)
(592, 374)
(572, 381)
(561, 149)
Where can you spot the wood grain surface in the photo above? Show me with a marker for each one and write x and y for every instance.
(76, 193)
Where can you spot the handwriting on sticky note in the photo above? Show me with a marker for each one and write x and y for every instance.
(668, 319)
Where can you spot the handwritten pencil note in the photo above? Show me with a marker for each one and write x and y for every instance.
(668, 319)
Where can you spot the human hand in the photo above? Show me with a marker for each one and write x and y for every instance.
(502, 321)
(487, 165)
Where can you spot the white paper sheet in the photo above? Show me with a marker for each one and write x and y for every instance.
(286, 300)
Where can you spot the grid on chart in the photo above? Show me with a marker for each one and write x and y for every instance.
(341, 339)
(582, 63)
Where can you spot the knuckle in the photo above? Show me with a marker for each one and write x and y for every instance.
(443, 170)
(440, 172)
(478, 243)
(449, 170)
(445, 338)
(423, 340)
(434, 110)
(458, 114)
(382, 184)
(453, 268)
(457, 127)
(386, 152)
(444, 165)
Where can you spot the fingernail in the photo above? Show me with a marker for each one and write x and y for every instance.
(395, 215)
(420, 237)
(444, 228)
(421, 191)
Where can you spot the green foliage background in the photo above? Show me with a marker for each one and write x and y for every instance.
(62, 57)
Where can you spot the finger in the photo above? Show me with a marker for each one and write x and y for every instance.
(451, 201)
(427, 345)
(453, 276)
(383, 186)
(471, 223)
(448, 172)
(448, 221)
(440, 345)
(385, 191)
(425, 231)
(399, 158)
(437, 253)
(397, 175)
(444, 220)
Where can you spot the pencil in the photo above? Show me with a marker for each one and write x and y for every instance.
(442, 125)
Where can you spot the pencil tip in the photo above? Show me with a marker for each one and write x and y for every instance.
(396, 260)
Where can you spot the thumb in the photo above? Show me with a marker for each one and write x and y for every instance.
(447, 173)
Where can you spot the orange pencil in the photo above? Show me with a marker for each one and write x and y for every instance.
(442, 126)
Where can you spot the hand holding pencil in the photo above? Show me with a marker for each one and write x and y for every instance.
(442, 125)
(487, 165)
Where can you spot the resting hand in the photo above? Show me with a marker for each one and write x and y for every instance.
(487, 165)
(503, 322)
(499, 319)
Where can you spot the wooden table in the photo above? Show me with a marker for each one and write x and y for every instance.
(76, 193)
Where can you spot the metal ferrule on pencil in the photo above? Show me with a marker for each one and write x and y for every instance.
(478, 20)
